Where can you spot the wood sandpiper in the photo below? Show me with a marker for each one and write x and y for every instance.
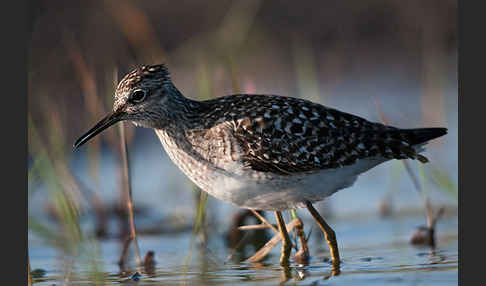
(261, 152)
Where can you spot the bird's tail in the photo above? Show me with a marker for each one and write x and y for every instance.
(419, 136)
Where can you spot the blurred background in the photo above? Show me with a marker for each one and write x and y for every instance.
(392, 61)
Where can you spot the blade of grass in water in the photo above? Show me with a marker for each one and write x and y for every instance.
(200, 213)
(443, 180)
(92, 258)
(128, 195)
(49, 167)
(28, 273)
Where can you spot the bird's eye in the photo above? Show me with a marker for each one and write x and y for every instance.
(138, 95)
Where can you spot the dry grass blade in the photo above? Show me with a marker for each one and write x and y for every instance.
(235, 248)
(264, 220)
(262, 252)
(414, 178)
(257, 226)
(200, 224)
(28, 273)
(128, 195)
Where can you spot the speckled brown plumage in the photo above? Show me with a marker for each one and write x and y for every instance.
(287, 135)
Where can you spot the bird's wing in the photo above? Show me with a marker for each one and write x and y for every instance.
(285, 135)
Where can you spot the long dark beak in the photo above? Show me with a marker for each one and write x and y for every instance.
(104, 123)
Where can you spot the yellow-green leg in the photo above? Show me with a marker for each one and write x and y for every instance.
(286, 244)
(329, 234)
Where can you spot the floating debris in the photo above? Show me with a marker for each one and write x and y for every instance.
(149, 262)
(38, 273)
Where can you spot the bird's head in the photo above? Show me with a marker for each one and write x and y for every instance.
(143, 96)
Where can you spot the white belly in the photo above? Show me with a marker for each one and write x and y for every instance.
(261, 191)
(265, 191)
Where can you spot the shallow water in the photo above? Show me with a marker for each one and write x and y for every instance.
(374, 251)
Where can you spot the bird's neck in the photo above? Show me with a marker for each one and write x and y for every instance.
(183, 112)
(183, 116)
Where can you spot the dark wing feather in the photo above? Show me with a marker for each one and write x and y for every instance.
(285, 135)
